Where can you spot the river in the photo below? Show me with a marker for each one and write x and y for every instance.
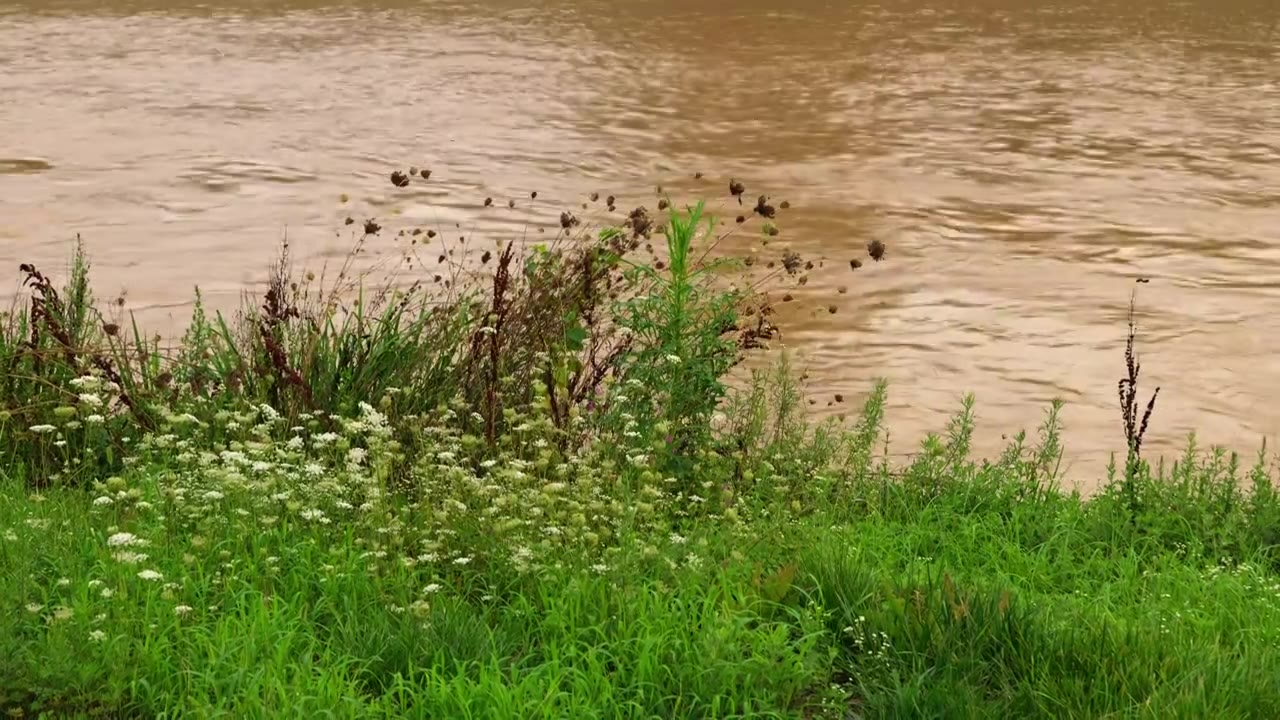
(1024, 161)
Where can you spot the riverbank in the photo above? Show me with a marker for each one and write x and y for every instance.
(529, 493)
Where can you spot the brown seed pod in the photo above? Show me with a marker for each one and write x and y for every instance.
(876, 249)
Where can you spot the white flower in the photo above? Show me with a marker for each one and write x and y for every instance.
(34, 608)
(107, 592)
(91, 399)
(95, 419)
(212, 495)
(150, 575)
(462, 561)
(97, 636)
(42, 429)
(130, 558)
(124, 539)
(432, 588)
(102, 500)
(182, 610)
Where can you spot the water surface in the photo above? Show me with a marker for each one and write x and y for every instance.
(1024, 161)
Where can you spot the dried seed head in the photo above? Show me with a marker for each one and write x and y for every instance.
(876, 249)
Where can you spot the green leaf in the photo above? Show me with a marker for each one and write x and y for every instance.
(576, 338)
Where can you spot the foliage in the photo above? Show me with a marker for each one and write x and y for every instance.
(536, 495)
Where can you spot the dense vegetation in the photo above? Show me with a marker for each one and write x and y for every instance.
(523, 488)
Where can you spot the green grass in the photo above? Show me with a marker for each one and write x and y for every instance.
(438, 509)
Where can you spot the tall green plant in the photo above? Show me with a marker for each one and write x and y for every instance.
(681, 353)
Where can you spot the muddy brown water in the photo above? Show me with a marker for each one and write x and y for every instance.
(1025, 162)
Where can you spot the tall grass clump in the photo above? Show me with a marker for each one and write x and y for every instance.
(547, 330)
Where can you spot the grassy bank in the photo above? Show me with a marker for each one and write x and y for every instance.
(530, 493)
